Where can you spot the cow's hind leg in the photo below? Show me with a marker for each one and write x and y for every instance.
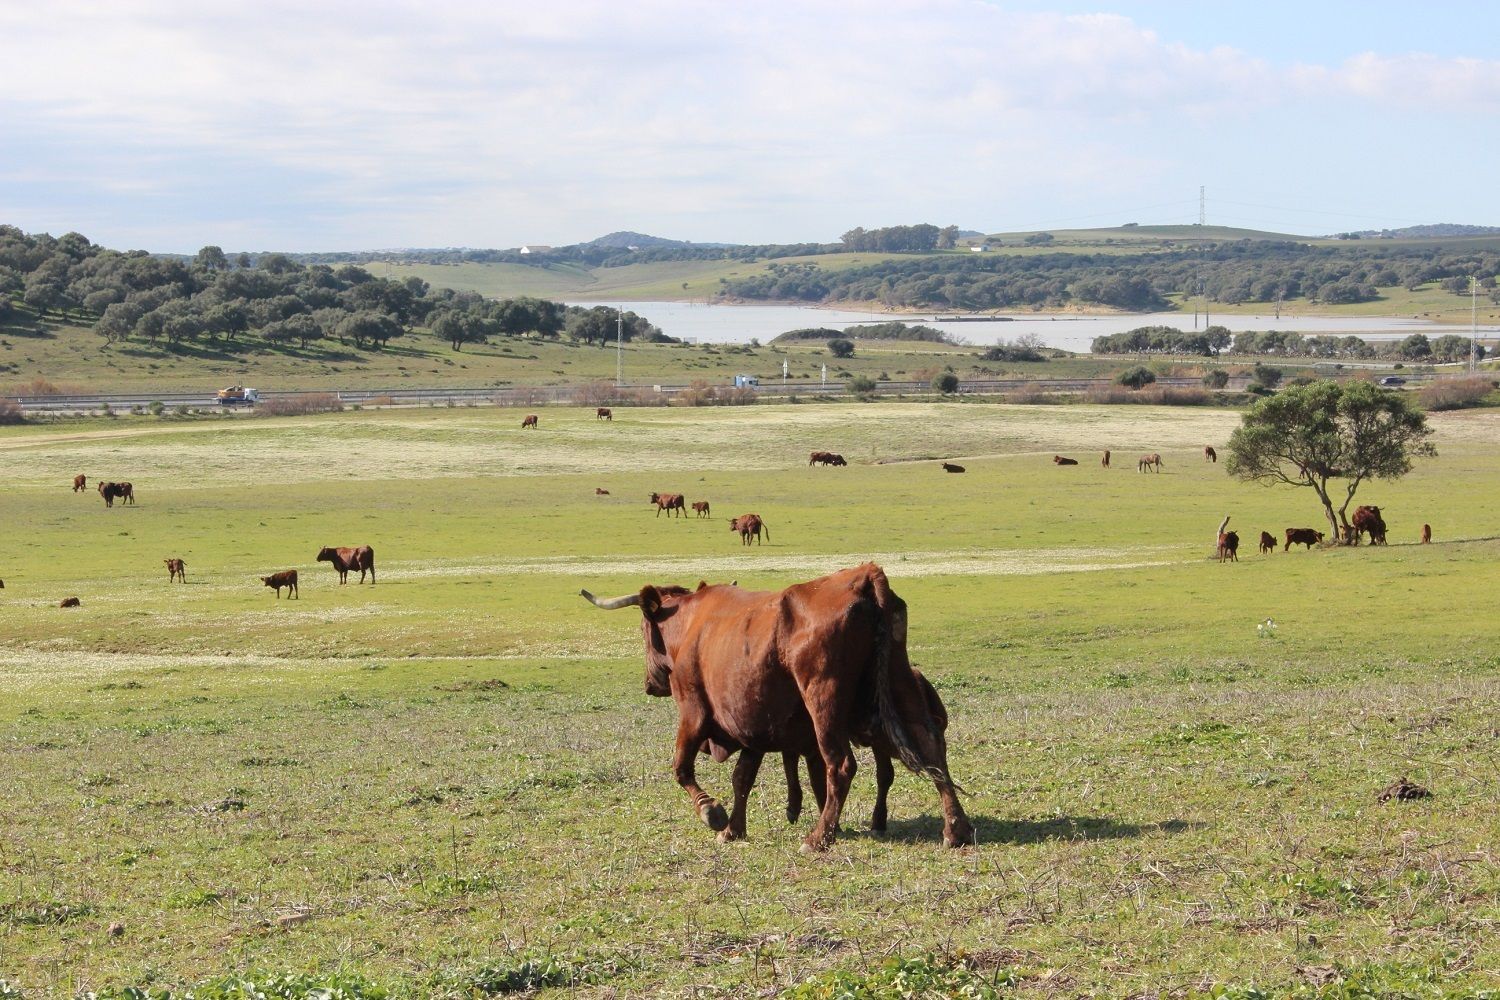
(885, 775)
(789, 763)
(838, 768)
(690, 736)
(745, 770)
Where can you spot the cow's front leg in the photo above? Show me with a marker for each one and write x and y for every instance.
(885, 774)
(690, 736)
(745, 770)
(839, 767)
(789, 764)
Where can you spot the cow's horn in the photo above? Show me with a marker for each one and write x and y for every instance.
(613, 603)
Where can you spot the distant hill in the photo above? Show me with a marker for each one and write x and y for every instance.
(1437, 229)
(626, 240)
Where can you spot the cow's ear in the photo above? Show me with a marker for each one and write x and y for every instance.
(702, 584)
(650, 601)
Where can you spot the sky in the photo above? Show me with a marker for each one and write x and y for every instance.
(168, 125)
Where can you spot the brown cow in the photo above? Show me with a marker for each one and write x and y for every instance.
(176, 569)
(604, 413)
(950, 467)
(287, 579)
(1151, 461)
(668, 502)
(1209, 455)
(1367, 520)
(80, 481)
(1229, 546)
(1267, 542)
(805, 670)
(600, 492)
(1302, 536)
(358, 557)
(1105, 463)
(700, 508)
(826, 458)
(1426, 537)
(70, 602)
(529, 421)
(748, 525)
(113, 491)
(1059, 460)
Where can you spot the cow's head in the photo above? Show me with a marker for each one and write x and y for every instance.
(655, 498)
(658, 605)
(325, 554)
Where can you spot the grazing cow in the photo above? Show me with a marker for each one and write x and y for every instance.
(1302, 536)
(604, 413)
(70, 602)
(287, 579)
(600, 492)
(668, 502)
(529, 421)
(80, 481)
(359, 557)
(1367, 520)
(807, 670)
(116, 491)
(950, 467)
(1105, 463)
(1059, 460)
(1267, 542)
(748, 525)
(1426, 537)
(176, 569)
(826, 458)
(700, 508)
(1151, 461)
(1209, 455)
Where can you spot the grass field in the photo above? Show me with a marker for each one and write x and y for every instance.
(451, 784)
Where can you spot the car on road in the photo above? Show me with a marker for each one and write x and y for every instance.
(1393, 380)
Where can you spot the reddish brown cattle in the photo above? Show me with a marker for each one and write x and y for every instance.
(1367, 521)
(950, 467)
(1302, 536)
(826, 458)
(668, 502)
(598, 491)
(1267, 542)
(70, 602)
(80, 481)
(1229, 546)
(1426, 537)
(176, 569)
(604, 413)
(748, 525)
(1105, 463)
(529, 421)
(1209, 455)
(806, 670)
(1151, 461)
(287, 579)
(700, 508)
(116, 491)
(358, 557)
(1059, 460)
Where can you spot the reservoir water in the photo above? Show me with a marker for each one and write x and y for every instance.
(737, 324)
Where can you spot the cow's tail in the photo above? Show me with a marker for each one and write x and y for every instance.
(765, 530)
(890, 635)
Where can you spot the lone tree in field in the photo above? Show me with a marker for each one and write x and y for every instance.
(1329, 434)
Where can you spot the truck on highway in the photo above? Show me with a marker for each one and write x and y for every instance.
(746, 382)
(238, 395)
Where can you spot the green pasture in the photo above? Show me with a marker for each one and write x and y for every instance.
(451, 783)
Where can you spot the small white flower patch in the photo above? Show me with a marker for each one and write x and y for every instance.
(1266, 629)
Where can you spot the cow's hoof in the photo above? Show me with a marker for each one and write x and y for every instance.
(959, 835)
(728, 835)
(715, 816)
(792, 814)
(815, 845)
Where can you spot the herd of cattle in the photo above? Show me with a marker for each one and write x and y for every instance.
(806, 672)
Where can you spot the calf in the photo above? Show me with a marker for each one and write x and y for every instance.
(79, 482)
(1059, 460)
(1302, 536)
(1209, 455)
(748, 525)
(1229, 546)
(604, 413)
(950, 467)
(529, 421)
(176, 569)
(1267, 542)
(70, 602)
(1105, 463)
(700, 508)
(600, 492)
(1426, 537)
(287, 579)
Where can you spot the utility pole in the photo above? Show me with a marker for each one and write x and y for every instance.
(619, 348)
(1202, 207)
(1473, 324)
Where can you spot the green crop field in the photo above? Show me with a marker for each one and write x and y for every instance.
(451, 784)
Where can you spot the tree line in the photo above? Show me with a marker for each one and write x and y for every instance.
(1211, 342)
(270, 299)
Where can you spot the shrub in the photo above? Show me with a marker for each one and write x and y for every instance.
(702, 393)
(1216, 378)
(841, 348)
(1025, 348)
(291, 406)
(156, 407)
(11, 412)
(1136, 378)
(1455, 393)
(1265, 375)
(862, 386)
(945, 382)
(595, 394)
(1031, 396)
